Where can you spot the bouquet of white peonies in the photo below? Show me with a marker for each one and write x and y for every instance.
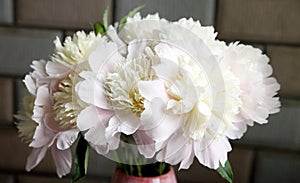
(148, 88)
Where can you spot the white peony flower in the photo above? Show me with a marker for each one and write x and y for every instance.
(258, 88)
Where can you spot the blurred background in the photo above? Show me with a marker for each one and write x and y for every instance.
(267, 153)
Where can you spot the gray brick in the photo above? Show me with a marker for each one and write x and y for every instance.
(6, 11)
(61, 13)
(20, 93)
(53, 179)
(20, 46)
(203, 10)
(259, 20)
(282, 131)
(286, 63)
(277, 167)
(6, 101)
(7, 178)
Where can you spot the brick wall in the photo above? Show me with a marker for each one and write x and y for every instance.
(268, 153)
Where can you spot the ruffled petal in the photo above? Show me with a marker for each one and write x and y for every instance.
(30, 84)
(135, 48)
(42, 96)
(91, 91)
(113, 35)
(91, 116)
(212, 152)
(62, 160)
(158, 124)
(152, 89)
(66, 139)
(35, 157)
(146, 145)
(42, 137)
(56, 69)
(104, 58)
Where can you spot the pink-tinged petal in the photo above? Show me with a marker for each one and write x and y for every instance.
(91, 91)
(153, 114)
(114, 142)
(30, 84)
(66, 139)
(214, 153)
(50, 122)
(56, 69)
(113, 127)
(96, 134)
(42, 96)
(152, 89)
(38, 114)
(101, 149)
(135, 48)
(104, 58)
(129, 122)
(123, 121)
(41, 137)
(158, 124)
(176, 150)
(62, 160)
(91, 116)
(146, 145)
(35, 157)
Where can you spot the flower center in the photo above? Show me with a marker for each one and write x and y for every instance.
(121, 86)
(65, 107)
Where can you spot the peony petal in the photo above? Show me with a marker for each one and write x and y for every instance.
(91, 116)
(146, 145)
(91, 91)
(152, 89)
(135, 48)
(56, 69)
(42, 137)
(66, 139)
(214, 153)
(101, 149)
(62, 160)
(30, 84)
(35, 157)
(96, 134)
(129, 122)
(42, 96)
(188, 158)
(113, 35)
(158, 124)
(104, 58)
(50, 122)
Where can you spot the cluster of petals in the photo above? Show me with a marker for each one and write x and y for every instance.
(43, 84)
(174, 87)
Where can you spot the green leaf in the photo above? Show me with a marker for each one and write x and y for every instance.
(105, 19)
(226, 171)
(81, 159)
(99, 28)
(130, 14)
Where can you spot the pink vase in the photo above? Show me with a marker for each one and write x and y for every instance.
(120, 177)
